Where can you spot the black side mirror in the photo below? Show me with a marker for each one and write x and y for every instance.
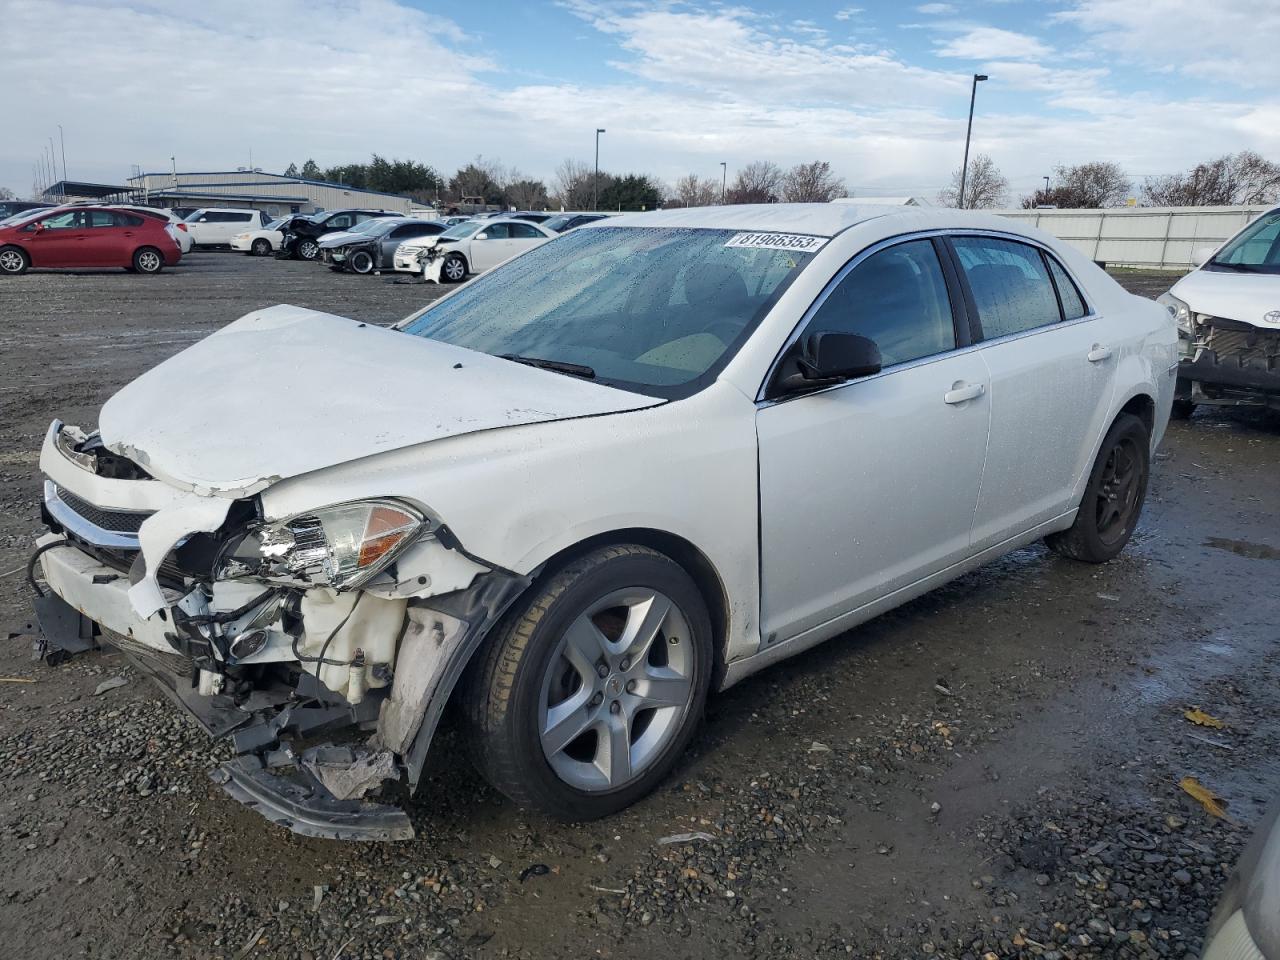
(825, 357)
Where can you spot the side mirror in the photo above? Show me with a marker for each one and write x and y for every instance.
(203, 220)
(825, 357)
(1200, 255)
(482, 236)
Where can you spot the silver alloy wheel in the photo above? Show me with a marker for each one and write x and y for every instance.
(261, 247)
(308, 249)
(11, 261)
(617, 690)
(148, 261)
(454, 268)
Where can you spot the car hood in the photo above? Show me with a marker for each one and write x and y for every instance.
(342, 238)
(285, 391)
(1247, 297)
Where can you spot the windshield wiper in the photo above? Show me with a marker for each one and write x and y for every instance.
(1238, 267)
(558, 366)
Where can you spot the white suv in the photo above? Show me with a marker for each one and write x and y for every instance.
(217, 227)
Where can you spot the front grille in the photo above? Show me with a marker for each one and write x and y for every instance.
(117, 521)
(1249, 346)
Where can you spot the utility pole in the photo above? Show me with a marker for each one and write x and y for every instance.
(595, 178)
(63, 142)
(724, 180)
(977, 78)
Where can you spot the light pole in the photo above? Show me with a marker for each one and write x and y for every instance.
(977, 78)
(1046, 186)
(62, 142)
(724, 179)
(595, 179)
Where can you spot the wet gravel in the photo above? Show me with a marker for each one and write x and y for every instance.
(990, 771)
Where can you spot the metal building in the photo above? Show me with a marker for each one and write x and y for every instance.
(272, 192)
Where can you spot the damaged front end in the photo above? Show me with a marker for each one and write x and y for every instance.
(322, 645)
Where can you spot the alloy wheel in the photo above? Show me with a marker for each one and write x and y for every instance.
(308, 249)
(11, 261)
(616, 690)
(148, 262)
(455, 269)
(1118, 492)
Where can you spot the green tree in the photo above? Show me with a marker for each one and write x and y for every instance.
(291, 170)
(631, 192)
(311, 170)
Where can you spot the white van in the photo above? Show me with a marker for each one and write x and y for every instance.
(216, 226)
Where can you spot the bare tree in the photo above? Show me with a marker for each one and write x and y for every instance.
(692, 191)
(1240, 178)
(572, 186)
(7, 194)
(1097, 184)
(985, 187)
(524, 193)
(757, 182)
(811, 183)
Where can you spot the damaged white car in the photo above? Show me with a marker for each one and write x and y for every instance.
(633, 465)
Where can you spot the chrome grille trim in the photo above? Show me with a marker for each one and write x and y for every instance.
(59, 504)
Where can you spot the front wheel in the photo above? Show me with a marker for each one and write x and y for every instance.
(261, 247)
(361, 262)
(147, 260)
(13, 261)
(593, 685)
(307, 249)
(1113, 497)
(454, 268)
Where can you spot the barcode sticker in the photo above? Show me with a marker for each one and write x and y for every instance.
(777, 241)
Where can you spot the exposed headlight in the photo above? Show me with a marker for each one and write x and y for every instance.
(1179, 310)
(342, 546)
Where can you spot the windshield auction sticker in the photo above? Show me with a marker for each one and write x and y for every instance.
(777, 241)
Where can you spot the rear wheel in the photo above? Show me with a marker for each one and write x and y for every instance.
(147, 260)
(454, 268)
(261, 247)
(361, 262)
(307, 249)
(1113, 498)
(14, 260)
(594, 685)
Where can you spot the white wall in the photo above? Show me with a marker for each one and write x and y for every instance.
(1158, 237)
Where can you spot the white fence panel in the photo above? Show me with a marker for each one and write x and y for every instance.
(1159, 237)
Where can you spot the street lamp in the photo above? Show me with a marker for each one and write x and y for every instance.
(595, 180)
(977, 78)
(1046, 186)
(724, 179)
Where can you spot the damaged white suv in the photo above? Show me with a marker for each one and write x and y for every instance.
(634, 464)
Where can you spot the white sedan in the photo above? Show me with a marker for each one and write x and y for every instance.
(262, 241)
(584, 491)
(470, 247)
(1228, 314)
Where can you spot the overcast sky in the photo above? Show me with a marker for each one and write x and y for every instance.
(879, 88)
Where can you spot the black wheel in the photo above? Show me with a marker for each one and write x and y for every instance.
(147, 260)
(261, 247)
(454, 268)
(1113, 498)
(361, 262)
(1182, 409)
(593, 684)
(14, 260)
(307, 249)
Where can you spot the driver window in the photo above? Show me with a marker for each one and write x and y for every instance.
(896, 297)
(497, 231)
(71, 220)
(341, 221)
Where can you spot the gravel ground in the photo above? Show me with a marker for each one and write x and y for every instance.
(991, 770)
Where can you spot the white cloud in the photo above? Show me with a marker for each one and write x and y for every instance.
(848, 13)
(992, 43)
(936, 9)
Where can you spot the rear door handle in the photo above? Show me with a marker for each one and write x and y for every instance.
(1099, 353)
(961, 391)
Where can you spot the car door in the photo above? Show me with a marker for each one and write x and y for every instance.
(104, 239)
(524, 237)
(1051, 363)
(58, 240)
(870, 485)
(407, 231)
(490, 247)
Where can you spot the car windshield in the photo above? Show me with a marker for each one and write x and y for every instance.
(1255, 249)
(371, 226)
(460, 231)
(654, 310)
(558, 222)
(23, 217)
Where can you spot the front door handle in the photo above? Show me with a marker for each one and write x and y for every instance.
(1099, 353)
(961, 391)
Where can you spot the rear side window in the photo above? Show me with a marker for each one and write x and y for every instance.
(1010, 285)
(523, 231)
(1072, 303)
(896, 297)
(101, 218)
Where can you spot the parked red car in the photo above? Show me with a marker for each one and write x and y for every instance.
(88, 237)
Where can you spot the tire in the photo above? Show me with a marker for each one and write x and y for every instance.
(307, 248)
(454, 268)
(1182, 409)
(260, 247)
(546, 658)
(148, 260)
(360, 262)
(1113, 497)
(14, 261)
